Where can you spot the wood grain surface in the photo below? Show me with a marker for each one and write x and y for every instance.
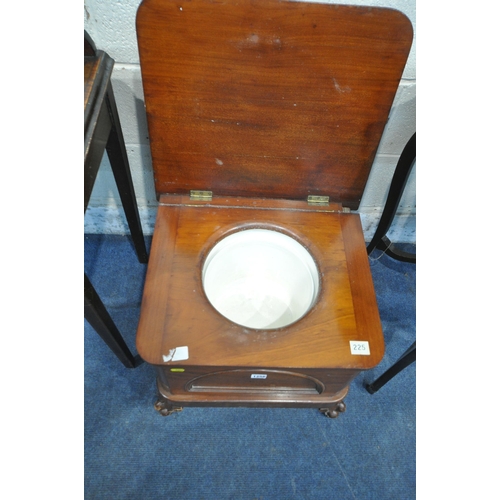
(268, 98)
(176, 312)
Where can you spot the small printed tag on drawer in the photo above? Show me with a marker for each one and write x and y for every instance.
(258, 375)
(360, 347)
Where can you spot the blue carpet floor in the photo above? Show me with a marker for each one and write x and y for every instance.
(131, 452)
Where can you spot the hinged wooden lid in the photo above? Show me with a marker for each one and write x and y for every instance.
(268, 98)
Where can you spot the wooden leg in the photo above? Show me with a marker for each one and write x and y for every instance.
(391, 250)
(406, 359)
(121, 170)
(400, 177)
(334, 411)
(164, 407)
(99, 318)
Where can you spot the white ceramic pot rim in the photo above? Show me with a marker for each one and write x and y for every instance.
(261, 279)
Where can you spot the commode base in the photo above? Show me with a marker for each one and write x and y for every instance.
(252, 387)
(168, 403)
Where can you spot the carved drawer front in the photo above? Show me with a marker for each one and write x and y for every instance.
(255, 381)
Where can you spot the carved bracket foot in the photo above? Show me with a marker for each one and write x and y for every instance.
(165, 408)
(333, 412)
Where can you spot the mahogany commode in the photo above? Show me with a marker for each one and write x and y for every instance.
(263, 115)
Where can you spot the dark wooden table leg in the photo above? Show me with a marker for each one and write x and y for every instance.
(99, 318)
(401, 174)
(121, 170)
(405, 360)
(394, 252)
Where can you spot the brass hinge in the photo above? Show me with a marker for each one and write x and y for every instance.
(318, 200)
(346, 210)
(200, 195)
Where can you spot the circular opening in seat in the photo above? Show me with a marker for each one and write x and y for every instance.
(260, 279)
